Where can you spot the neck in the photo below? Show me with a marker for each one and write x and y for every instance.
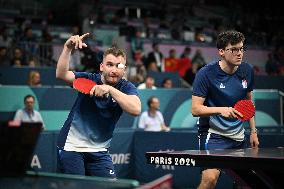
(152, 111)
(228, 68)
(29, 110)
(103, 79)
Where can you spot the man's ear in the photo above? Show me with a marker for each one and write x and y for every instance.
(101, 66)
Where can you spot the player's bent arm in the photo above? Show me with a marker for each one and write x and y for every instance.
(129, 103)
(62, 68)
(198, 108)
(252, 120)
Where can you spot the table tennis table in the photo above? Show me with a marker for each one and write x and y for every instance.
(250, 167)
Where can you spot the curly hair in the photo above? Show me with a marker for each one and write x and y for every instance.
(229, 37)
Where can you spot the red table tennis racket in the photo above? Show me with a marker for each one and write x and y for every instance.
(245, 107)
(83, 85)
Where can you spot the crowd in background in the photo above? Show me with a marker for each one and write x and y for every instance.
(26, 38)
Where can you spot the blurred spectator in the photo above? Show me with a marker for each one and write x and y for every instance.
(91, 60)
(186, 52)
(29, 42)
(137, 74)
(172, 53)
(75, 58)
(167, 83)
(152, 119)
(18, 58)
(32, 63)
(137, 46)
(28, 114)
(198, 58)
(157, 57)
(174, 64)
(190, 74)
(5, 40)
(148, 84)
(45, 47)
(34, 79)
(153, 67)
(4, 58)
(272, 65)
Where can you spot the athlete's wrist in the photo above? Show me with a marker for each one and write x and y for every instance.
(253, 130)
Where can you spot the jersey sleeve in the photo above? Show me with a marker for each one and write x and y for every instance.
(251, 83)
(129, 89)
(83, 75)
(200, 84)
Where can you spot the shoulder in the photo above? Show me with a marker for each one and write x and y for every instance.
(208, 69)
(127, 84)
(87, 75)
(127, 87)
(160, 113)
(36, 112)
(246, 66)
(144, 114)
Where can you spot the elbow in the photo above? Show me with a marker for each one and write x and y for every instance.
(57, 75)
(137, 111)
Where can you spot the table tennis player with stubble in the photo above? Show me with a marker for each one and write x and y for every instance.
(217, 87)
(85, 137)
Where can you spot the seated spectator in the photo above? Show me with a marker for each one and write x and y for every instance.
(137, 46)
(32, 63)
(186, 52)
(272, 65)
(190, 73)
(198, 58)
(34, 79)
(153, 67)
(28, 114)
(148, 84)
(167, 83)
(18, 59)
(152, 119)
(4, 58)
(155, 57)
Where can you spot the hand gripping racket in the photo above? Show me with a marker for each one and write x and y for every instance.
(83, 85)
(245, 107)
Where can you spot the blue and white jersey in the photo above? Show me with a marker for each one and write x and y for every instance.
(91, 121)
(223, 90)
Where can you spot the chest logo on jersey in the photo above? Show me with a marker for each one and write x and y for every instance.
(222, 86)
(244, 84)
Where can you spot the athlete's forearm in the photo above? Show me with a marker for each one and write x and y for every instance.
(62, 68)
(129, 103)
(252, 124)
(201, 110)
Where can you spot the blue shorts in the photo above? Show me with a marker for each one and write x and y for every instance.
(85, 163)
(209, 141)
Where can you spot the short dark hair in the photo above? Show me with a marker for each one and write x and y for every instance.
(165, 80)
(28, 96)
(149, 101)
(229, 37)
(114, 50)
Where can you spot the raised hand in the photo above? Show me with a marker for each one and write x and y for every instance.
(76, 41)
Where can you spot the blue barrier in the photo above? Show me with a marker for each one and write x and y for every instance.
(128, 150)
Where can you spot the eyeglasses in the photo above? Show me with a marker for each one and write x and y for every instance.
(235, 51)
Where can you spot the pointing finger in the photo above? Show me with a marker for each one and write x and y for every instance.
(84, 35)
